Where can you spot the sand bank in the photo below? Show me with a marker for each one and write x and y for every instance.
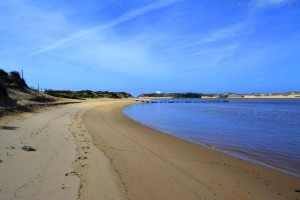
(153, 165)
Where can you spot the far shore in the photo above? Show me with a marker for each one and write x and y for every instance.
(244, 96)
(259, 97)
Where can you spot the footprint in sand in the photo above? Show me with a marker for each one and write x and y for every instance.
(64, 187)
(84, 165)
(71, 173)
(9, 154)
(82, 158)
(85, 147)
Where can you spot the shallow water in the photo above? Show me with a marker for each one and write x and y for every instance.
(263, 130)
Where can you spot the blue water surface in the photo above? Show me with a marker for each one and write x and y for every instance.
(264, 130)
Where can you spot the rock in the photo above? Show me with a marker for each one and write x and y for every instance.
(72, 173)
(28, 148)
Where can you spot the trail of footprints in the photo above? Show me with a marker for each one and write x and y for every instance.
(82, 149)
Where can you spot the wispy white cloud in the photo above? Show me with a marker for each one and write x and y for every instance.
(223, 33)
(215, 36)
(123, 18)
(208, 58)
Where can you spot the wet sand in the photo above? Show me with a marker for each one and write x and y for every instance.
(153, 165)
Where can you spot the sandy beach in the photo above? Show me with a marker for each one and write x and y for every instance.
(90, 150)
(58, 169)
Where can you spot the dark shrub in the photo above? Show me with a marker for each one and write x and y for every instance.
(17, 79)
(16, 74)
(3, 73)
(3, 92)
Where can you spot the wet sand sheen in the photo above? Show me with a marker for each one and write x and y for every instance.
(154, 165)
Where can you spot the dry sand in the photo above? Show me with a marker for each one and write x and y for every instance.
(92, 151)
(65, 157)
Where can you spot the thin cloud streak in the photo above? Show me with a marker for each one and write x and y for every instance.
(123, 18)
(223, 33)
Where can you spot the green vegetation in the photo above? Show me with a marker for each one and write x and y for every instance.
(83, 94)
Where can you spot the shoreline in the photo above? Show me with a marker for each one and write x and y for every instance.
(232, 153)
(176, 162)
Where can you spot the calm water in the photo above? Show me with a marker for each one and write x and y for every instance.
(262, 130)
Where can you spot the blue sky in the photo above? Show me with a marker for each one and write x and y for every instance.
(145, 46)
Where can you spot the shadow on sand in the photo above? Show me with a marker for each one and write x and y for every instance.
(11, 128)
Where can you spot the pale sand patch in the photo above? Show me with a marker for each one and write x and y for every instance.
(270, 97)
(154, 165)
